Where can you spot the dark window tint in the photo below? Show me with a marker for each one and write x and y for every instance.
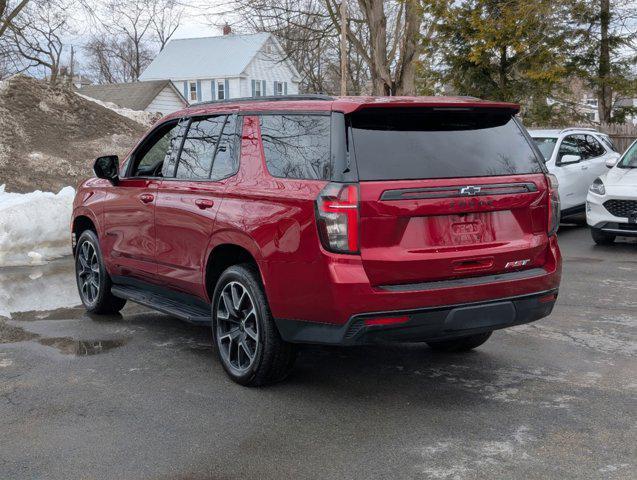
(584, 146)
(297, 146)
(571, 145)
(168, 169)
(429, 143)
(593, 147)
(225, 161)
(199, 148)
(149, 158)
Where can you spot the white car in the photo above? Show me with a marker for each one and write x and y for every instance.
(576, 156)
(611, 204)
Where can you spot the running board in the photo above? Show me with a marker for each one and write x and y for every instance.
(184, 311)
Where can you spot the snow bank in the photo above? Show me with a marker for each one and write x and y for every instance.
(34, 227)
(145, 118)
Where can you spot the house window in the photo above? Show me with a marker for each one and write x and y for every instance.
(221, 90)
(278, 88)
(192, 88)
(257, 88)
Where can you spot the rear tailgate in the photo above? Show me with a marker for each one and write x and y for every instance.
(447, 194)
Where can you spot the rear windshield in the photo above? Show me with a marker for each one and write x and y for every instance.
(546, 146)
(397, 144)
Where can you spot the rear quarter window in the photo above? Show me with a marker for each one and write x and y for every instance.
(401, 144)
(297, 146)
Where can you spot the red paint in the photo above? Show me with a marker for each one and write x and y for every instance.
(164, 231)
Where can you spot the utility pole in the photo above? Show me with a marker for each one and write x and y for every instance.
(343, 47)
(71, 69)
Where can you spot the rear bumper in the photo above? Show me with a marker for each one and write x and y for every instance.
(434, 323)
(336, 289)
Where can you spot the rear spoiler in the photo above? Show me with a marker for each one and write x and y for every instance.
(446, 103)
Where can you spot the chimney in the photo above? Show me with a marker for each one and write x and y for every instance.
(226, 29)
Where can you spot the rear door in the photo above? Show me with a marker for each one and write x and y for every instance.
(188, 202)
(572, 177)
(597, 155)
(447, 193)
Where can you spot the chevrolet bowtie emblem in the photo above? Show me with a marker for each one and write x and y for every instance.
(470, 190)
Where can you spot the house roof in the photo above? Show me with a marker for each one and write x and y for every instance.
(136, 96)
(207, 57)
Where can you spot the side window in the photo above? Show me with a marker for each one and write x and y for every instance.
(593, 147)
(297, 146)
(225, 163)
(149, 158)
(199, 148)
(569, 146)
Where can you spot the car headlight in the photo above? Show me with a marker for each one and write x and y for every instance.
(598, 187)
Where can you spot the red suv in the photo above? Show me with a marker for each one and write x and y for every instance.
(311, 219)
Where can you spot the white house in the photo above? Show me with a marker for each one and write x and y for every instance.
(228, 66)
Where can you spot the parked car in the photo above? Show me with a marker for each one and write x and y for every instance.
(611, 204)
(311, 219)
(576, 156)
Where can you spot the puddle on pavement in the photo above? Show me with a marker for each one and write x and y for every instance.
(11, 334)
(81, 348)
(38, 288)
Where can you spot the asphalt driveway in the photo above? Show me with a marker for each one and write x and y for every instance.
(140, 396)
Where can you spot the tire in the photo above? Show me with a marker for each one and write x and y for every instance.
(246, 339)
(602, 238)
(93, 282)
(460, 344)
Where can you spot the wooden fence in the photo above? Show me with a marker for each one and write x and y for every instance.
(622, 135)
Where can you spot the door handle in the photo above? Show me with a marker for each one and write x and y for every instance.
(584, 167)
(204, 203)
(147, 197)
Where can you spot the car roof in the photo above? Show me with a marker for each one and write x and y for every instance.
(545, 133)
(318, 103)
(556, 132)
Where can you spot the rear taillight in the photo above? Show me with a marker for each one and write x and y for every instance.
(337, 217)
(554, 205)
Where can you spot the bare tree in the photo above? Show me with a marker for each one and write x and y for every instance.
(384, 36)
(9, 12)
(390, 40)
(128, 33)
(110, 60)
(166, 17)
(309, 39)
(37, 36)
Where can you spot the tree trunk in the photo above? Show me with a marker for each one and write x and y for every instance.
(604, 92)
(502, 71)
(380, 71)
(406, 74)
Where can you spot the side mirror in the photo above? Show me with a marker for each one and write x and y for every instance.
(611, 162)
(108, 168)
(567, 159)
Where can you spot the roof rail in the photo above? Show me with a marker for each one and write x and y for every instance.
(270, 98)
(586, 129)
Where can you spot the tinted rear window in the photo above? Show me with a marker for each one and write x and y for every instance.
(297, 146)
(428, 143)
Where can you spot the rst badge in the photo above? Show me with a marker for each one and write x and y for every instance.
(517, 263)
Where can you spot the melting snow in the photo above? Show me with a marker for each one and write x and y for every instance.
(145, 118)
(34, 227)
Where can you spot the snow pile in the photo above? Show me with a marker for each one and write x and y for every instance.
(145, 118)
(34, 227)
